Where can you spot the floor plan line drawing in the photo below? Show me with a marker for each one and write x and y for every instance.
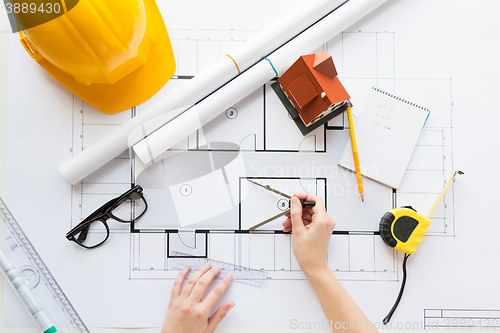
(455, 318)
(276, 154)
(402, 47)
(281, 266)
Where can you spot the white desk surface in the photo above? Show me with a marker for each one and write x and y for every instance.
(4, 45)
(4, 34)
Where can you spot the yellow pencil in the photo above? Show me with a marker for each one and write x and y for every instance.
(355, 153)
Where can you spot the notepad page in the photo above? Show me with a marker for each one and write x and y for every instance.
(387, 130)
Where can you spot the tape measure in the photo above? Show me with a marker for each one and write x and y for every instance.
(38, 277)
(403, 229)
(245, 275)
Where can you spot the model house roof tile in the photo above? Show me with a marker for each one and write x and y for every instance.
(323, 63)
(302, 91)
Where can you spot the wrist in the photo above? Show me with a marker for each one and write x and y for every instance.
(314, 271)
(321, 277)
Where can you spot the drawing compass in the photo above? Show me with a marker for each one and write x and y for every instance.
(269, 188)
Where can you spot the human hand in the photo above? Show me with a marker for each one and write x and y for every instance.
(187, 312)
(312, 229)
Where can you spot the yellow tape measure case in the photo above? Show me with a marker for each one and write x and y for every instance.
(403, 228)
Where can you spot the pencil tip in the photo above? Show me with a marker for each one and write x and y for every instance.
(362, 197)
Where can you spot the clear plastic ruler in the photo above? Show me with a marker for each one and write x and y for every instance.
(28, 270)
(244, 275)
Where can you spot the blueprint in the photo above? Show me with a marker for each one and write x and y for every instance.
(201, 203)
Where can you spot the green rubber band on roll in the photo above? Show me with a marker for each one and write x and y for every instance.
(272, 66)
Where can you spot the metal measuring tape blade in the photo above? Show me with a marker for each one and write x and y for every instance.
(403, 228)
(243, 275)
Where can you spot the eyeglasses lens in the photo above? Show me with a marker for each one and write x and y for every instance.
(130, 209)
(97, 233)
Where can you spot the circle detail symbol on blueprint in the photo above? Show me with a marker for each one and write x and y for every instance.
(186, 190)
(283, 204)
(231, 113)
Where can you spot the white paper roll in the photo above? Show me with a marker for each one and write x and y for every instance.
(157, 143)
(179, 128)
(101, 152)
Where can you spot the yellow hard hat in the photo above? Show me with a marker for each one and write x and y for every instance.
(113, 54)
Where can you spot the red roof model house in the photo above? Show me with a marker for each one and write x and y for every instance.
(313, 89)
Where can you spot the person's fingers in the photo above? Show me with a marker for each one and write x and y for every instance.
(306, 216)
(319, 208)
(202, 284)
(306, 196)
(216, 293)
(302, 196)
(188, 288)
(306, 209)
(296, 215)
(177, 288)
(287, 224)
(218, 315)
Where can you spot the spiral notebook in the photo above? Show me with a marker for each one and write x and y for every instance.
(387, 131)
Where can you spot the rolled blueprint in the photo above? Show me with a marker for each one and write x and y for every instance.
(155, 143)
(202, 85)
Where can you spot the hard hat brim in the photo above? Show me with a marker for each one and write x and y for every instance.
(136, 87)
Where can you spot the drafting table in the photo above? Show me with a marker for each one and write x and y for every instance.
(440, 53)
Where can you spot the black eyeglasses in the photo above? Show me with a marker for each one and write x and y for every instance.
(94, 230)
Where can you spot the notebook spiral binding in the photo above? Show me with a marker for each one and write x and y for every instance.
(385, 92)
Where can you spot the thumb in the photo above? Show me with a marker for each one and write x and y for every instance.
(296, 215)
(218, 315)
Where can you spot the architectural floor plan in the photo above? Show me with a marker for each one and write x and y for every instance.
(259, 134)
(202, 204)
